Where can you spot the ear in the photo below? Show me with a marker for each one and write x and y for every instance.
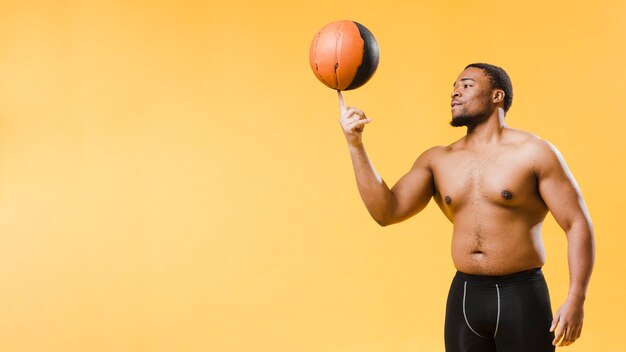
(498, 96)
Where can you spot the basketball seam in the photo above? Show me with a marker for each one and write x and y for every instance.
(317, 67)
(338, 35)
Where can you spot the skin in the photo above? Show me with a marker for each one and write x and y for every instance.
(496, 185)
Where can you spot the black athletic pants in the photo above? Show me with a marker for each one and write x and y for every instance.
(507, 313)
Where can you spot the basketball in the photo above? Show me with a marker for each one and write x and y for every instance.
(344, 55)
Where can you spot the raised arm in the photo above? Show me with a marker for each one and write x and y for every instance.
(561, 194)
(387, 206)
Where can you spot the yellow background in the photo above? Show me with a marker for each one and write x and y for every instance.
(174, 178)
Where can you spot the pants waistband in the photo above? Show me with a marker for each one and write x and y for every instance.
(502, 280)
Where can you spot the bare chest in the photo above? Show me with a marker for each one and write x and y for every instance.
(503, 178)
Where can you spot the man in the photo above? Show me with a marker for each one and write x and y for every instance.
(496, 185)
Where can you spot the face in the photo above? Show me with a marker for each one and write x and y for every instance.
(472, 101)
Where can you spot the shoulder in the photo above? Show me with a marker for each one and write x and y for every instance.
(520, 137)
(543, 154)
(531, 141)
(432, 155)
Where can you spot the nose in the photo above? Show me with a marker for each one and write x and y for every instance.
(455, 94)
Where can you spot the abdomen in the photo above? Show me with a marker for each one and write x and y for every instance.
(497, 243)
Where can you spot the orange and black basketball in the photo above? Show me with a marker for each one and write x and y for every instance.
(344, 55)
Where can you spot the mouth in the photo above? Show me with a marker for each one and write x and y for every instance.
(455, 103)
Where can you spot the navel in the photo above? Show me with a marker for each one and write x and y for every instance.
(507, 195)
(447, 199)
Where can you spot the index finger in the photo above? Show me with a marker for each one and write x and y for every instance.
(342, 104)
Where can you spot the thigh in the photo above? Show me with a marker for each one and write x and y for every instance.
(525, 318)
(458, 336)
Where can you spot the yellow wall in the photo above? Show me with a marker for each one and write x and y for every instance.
(174, 178)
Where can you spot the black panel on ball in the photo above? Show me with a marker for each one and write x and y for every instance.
(370, 58)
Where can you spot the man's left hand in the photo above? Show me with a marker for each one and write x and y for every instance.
(568, 322)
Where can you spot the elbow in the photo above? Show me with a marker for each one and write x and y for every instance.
(380, 218)
(384, 216)
(582, 230)
(585, 225)
(387, 217)
(579, 224)
(382, 222)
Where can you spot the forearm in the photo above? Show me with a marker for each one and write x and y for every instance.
(376, 195)
(581, 256)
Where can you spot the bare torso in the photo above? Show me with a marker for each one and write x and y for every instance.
(491, 196)
(496, 185)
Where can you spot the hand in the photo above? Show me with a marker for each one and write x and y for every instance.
(568, 322)
(352, 122)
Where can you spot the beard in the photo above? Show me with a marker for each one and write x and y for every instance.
(469, 121)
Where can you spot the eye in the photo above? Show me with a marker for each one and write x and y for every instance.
(466, 85)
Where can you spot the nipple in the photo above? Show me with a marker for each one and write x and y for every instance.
(447, 199)
(507, 195)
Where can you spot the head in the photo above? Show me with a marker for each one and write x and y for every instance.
(479, 91)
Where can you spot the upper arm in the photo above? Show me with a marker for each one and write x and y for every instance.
(413, 191)
(558, 188)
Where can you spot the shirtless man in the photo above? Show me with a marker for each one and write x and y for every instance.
(496, 185)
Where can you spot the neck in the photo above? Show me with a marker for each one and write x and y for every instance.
(487, 132)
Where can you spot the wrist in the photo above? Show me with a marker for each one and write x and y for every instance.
(577, 296)
(355, 145)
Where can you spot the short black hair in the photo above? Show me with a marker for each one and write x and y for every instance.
(499, 79)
